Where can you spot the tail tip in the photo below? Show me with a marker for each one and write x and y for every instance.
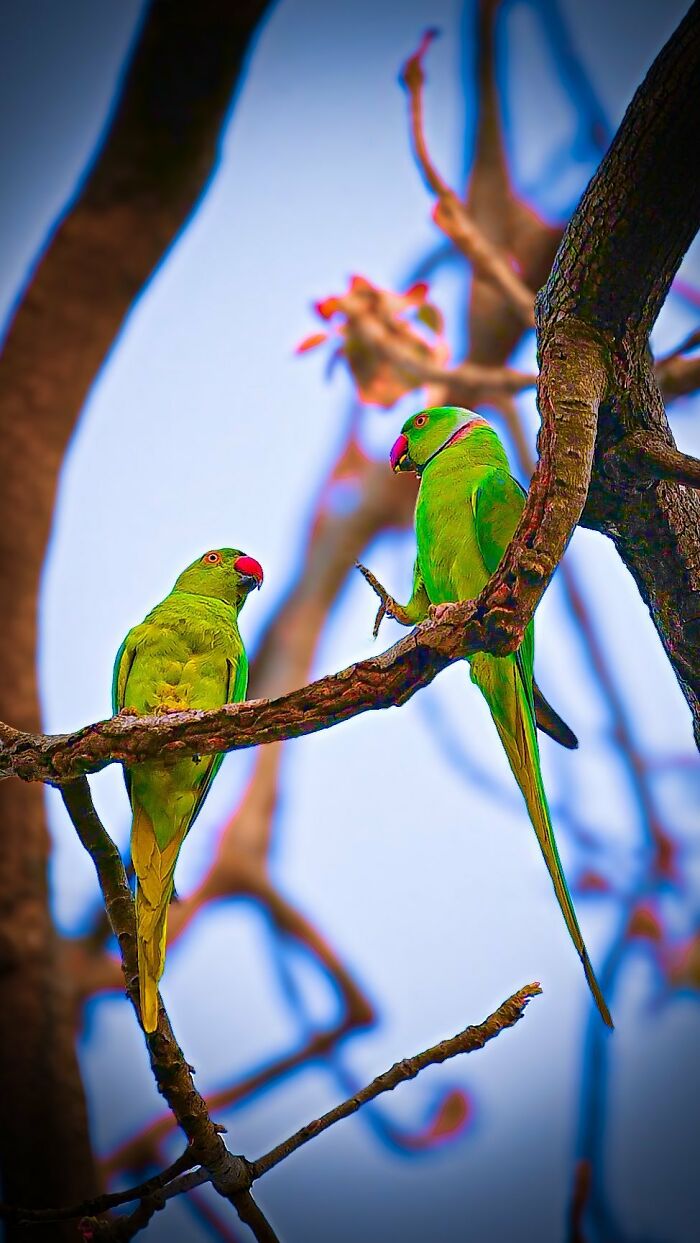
(149, 1017)
(148, 1003)
(602, 1007)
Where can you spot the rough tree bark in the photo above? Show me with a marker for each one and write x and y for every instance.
(610, 278)
(158, 154)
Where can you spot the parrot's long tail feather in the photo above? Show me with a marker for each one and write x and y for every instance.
(549, 721)
(154, 873)
(513, 713)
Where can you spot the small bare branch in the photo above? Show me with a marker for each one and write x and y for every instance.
(413, 78)
(451, 215)
(103, 1203)
(468, 379)
(688, 343)
(120, 1229)
(453, 218)
(677, 376)
(642, 456)
(472, 1038)
(579, 1202)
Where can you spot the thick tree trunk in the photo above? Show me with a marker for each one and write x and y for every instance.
(158, 154)
(611, 275)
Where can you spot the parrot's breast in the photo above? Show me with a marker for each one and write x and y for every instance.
(448, 552)
(184, 652)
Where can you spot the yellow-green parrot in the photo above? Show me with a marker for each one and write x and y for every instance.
(467, 510)
(187, 653)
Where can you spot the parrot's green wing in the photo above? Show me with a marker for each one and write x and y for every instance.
(122, 665)
(497, 505)
(235, 692)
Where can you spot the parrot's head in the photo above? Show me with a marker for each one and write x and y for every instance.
(426, 433)
(225, 573)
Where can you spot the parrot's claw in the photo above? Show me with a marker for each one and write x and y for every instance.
(388, 604)
(127, 712)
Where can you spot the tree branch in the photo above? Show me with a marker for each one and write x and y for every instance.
(469, 379)
(678, 377)
(495, 622)
(467, 1041)
(379, 682)
(121, 1229)
(250, 1212)
(103, 1203)
(641, 457)
(612, 272)
(229, 1174)
(451, 214)
(576, 377)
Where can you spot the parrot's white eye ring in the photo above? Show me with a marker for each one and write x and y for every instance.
(212, 558)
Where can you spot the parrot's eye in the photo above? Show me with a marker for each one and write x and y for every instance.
(420, 420)
(212, 558)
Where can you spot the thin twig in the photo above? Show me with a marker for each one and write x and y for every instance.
(102, 1203)
(128, 1226)
(679, 376)
(451, 214)
(472, 1038)
(413, 78)
(468, 379)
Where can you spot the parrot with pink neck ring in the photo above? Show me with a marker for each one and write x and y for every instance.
(467, 510)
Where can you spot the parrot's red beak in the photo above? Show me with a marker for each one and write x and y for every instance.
(399, 454)
(248, 567)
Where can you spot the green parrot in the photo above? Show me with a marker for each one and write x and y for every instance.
(187, 653)
(467, 510)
